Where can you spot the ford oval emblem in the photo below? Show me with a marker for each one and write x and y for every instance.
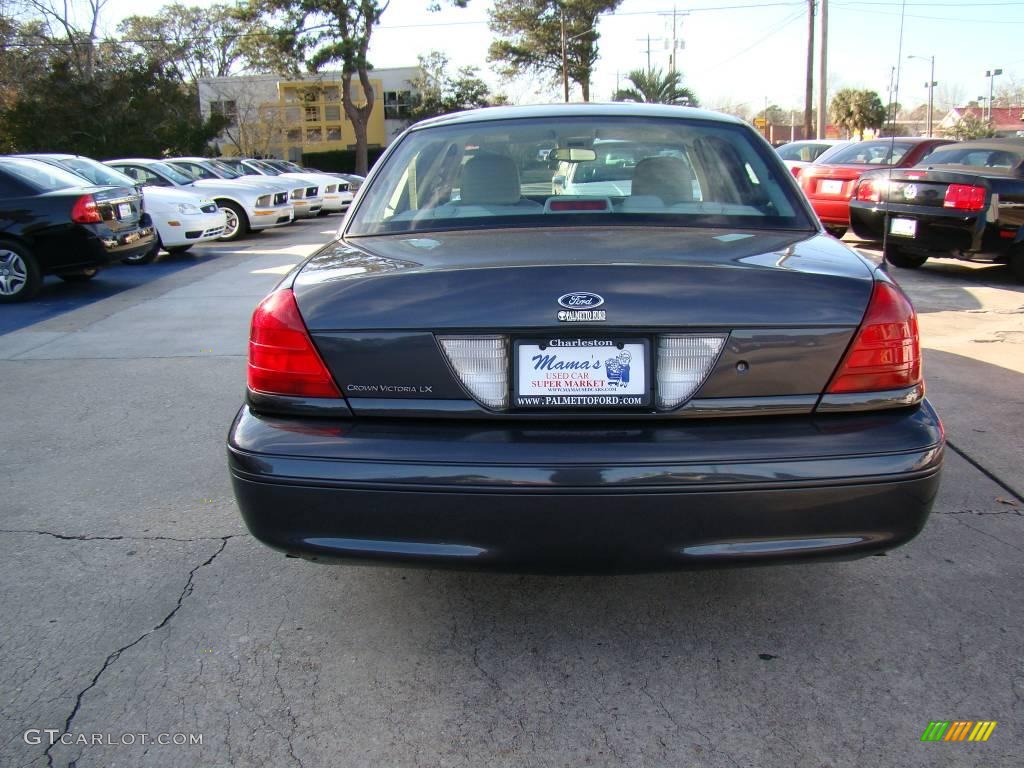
(580, 300)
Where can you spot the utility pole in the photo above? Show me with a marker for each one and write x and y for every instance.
(565, 63)
(823, 73)
(809, 92)
(675, 42)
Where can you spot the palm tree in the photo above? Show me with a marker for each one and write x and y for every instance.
(654, 87)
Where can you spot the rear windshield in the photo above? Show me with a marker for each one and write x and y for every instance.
(871, 153)
(41, 176)
(979, 157)
(604, 170)
(804, 152)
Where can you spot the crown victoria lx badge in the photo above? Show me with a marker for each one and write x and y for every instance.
(581, 307)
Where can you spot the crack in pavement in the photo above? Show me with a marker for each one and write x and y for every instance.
(90, 537)
(185, 592)
(1018, 495)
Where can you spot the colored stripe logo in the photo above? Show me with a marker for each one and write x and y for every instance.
(958, 730)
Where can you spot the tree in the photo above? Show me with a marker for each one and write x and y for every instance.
(58, 25)
(857, 110)
(205, 42)
(439, 92)
(530, 37)
(655, 87)
(970, 127)
(127, 107)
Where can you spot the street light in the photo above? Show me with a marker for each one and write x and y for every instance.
(931, 89)
(991, 75)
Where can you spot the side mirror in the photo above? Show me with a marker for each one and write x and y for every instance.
(558, 181)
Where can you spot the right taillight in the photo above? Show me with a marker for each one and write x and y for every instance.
(868, 191)
(886, 352)
(964, 197)
(85, 211)
(282, 358)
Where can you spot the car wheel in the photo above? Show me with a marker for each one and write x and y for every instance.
(900, 258)
(836, 232)
(20, 278)
(236, 224)
(145, 258)
(1017, 263)
(80, 277)
(179, 248)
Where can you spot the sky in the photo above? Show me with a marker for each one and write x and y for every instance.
(738, 51)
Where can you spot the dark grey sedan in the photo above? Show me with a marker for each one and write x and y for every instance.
(680, 371)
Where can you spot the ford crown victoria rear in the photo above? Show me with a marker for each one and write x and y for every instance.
(481, 371)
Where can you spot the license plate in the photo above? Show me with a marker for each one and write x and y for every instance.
(124, 210)
(903, 227)
(582, 373)
(831, 186)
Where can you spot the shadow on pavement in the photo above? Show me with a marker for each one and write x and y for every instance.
(58, 297)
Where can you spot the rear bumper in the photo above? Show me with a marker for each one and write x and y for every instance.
(107, 246)
(938, 231)
(832, 211)
(559, 497)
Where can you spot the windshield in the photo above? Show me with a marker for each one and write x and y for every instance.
(41, 176)
(225, 170)
(269, 169)
(604, 170)
(96, 172)
(806, 152)
(979, 157)
(883, 152)
(193, 170)
(170, 172)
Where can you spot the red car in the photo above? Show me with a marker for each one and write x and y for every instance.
(829, 181)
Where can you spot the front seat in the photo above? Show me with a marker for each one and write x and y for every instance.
(666, 178)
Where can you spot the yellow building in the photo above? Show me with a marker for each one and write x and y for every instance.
(286, 118)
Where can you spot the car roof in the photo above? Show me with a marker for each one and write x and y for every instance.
(134, 160)
(52, 155)
(1004, 144)
(614, 109)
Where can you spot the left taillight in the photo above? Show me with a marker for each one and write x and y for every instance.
(886, 352)
(85, 211)
(282, 358)
(868, 191)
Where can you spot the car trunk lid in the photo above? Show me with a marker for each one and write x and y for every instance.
(771, 314)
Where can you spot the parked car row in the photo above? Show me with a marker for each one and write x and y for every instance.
(924, 197)
(70, 216)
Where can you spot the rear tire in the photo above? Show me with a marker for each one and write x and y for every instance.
(80, 277)
(836, 232)
(237, 224)
(178, 249)
(20, 276)
(900, 258)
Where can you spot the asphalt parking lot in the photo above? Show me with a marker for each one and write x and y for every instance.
(134, 601)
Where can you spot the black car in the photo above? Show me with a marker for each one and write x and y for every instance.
(963, 201)
(480, 373)
(54, 222)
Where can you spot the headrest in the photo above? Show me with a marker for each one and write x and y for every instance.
(666, 177)
(489, 179)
